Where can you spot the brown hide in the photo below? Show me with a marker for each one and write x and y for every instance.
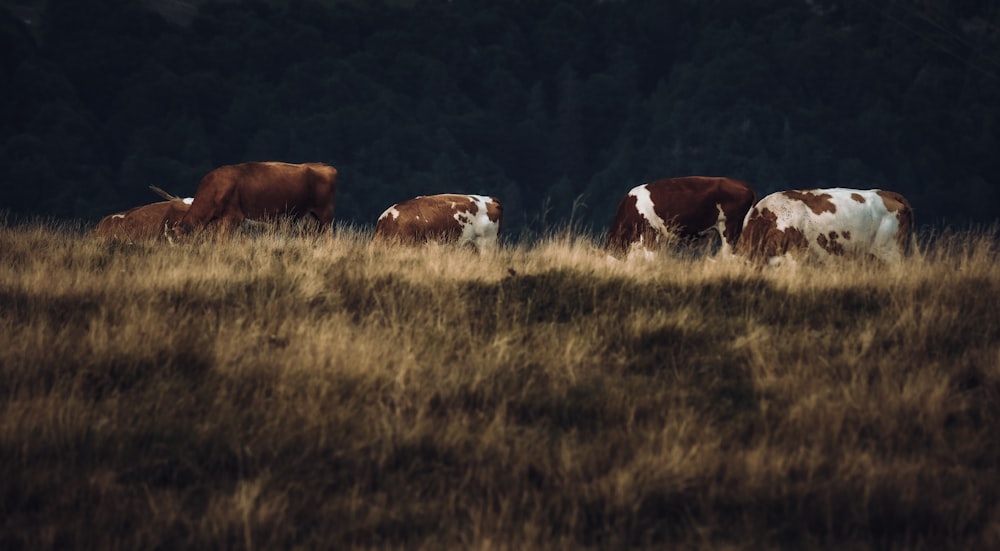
(762, 239)
(688, 204)
(432, 218)
(230, 194)
(141, 223)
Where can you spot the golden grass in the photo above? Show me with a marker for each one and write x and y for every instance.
(283, 391)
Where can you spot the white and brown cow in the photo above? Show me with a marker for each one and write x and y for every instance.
(686, 208)
(823, 223)
(231, 194)
(473, 219)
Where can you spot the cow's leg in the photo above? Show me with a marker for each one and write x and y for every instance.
(886, 246)
(314, 223)
(640, 249)
(249, 226)
(324, 219)
(725, 229)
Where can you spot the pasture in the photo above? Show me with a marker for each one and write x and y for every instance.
(287, 391)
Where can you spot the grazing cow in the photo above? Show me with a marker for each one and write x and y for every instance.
(822, 223)
(142, 223)
(230, 194)
(686, 208)
(471, 219)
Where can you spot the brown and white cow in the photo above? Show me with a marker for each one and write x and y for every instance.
(230, 194)
(143, 223)
(464, 219)
(823, 223)
(686, 208)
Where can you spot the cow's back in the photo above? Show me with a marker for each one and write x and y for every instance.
(141, 223)
(271, 189)
(421, 219)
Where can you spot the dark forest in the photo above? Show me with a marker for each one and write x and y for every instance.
(556, 108)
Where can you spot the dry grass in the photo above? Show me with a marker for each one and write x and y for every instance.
(285, 391)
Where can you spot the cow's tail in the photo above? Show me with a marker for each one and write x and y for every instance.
(162, 193)
(907, 241)
(904, 215)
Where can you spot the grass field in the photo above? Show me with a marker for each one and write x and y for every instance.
(321, 392)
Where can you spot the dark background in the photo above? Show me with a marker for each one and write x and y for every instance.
(556, 108)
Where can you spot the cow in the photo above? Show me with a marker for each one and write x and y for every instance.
(143, 223)
(465, 219)
(231, 194)
(683, 208)
(826, 223)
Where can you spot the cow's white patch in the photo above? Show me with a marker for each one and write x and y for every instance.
(188, 200)
(118, 216)
(644, 206)
(725, 251)
(391, 211)
(477, 228)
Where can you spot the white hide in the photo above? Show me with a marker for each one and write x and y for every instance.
(477, 228)
(391, 211)
(871, 227)
(644, 204)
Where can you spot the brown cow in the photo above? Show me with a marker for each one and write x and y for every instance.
(685, 207)
(471, 219)
(142, 223)
(231, 194)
